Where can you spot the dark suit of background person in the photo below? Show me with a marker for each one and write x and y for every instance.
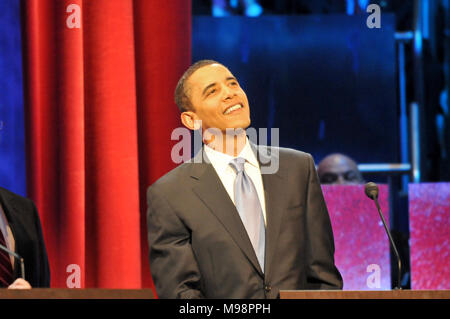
(199, 247)
(23, 219)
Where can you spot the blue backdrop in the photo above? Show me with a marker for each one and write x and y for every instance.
(328, 82)
(12, 135)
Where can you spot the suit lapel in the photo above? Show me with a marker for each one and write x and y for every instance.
(213, 194)
(14, 225)
(9, 213)
(274, 185)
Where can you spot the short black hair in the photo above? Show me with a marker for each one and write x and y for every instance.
(181, 98)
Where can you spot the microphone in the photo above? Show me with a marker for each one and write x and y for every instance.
(22, 264)
(371, 190)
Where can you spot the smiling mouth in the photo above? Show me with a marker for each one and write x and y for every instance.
(232, 108)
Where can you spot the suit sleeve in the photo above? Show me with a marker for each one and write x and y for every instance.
(172, 261)
(43, 268)
(322, 272)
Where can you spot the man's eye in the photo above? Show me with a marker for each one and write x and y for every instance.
(351, 176)
(328, 178)
(233, 83)
(211, 91)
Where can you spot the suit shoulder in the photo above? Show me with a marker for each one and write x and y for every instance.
(18, 205)
(15, 199)
(295, 153)
(172, 178)
(288, 153)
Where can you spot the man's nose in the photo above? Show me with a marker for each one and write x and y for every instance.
(228, 92)
(340, 180)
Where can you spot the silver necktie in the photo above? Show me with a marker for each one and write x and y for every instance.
(249, 208)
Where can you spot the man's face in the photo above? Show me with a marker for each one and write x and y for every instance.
(217, 98)
(338, 169)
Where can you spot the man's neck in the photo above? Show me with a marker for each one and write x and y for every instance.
(230, 144)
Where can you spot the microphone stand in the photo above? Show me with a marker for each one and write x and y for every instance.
(22, 263)
(392, 245)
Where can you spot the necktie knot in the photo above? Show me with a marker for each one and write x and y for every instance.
(238, 164)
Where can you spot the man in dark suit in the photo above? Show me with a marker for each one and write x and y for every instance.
(20, 232)
(218, 225)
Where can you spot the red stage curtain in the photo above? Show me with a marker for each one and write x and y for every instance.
(99, 114)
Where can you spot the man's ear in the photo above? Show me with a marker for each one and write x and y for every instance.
(190, 120)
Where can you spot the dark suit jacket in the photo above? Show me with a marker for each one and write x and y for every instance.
(25, 225)
(199, 246)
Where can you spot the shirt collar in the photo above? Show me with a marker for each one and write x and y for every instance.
(221, 160)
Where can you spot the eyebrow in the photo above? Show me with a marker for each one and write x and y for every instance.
(206, 88)
(213, 84)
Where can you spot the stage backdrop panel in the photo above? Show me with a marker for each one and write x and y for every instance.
(362, 246)
(429, 218)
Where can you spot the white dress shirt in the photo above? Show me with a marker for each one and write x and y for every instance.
(221, 163)
(7, 233)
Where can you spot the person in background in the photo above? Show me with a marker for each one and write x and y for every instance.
(339, 169)
(21, 233)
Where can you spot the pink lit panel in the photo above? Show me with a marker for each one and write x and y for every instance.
(429, 219)
(362, 246)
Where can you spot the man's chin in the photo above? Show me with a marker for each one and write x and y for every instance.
(241, 125)
(233, 128)
(238, 128)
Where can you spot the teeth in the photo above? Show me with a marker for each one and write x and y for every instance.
(232, 108)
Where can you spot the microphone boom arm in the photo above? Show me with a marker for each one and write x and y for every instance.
(22, 263)
(394, 248)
